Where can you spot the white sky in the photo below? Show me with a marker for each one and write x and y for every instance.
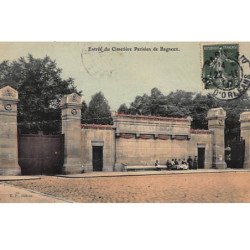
(120, 75)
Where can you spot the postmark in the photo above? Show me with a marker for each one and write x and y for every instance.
(225, 73)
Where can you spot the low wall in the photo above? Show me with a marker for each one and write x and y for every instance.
(146, 151)
(136, 140)
(141, 140)
(132, 151)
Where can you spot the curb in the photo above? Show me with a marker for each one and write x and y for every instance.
(151, 173)
(18, 178)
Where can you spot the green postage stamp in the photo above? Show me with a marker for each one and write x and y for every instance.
(225, 72)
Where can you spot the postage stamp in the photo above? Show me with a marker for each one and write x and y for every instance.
(225, 72)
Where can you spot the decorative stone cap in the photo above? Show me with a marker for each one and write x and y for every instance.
(73, 99)
(8, 93)
(216, 113)
(245, 116)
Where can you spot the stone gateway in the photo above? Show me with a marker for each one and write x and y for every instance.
(132, 140)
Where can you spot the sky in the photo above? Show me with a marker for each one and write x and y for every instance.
(124, 69)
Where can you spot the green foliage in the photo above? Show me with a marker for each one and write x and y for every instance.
(157, 104)
(123, 109)
(199, 108)
(40, 88)
(183, 103)
(233, 109)
(141, 105)
(84, 110)
(98, 111)
(179, 103)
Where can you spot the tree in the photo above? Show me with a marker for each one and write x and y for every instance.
(84, 110)
(123, 109)
(233, 109)
(140, 106)
(179, 103)
(40, 88)
(182, 103)
(98, 111)
(157, 103)
(199, 109)
(176, 104)
(152, 104)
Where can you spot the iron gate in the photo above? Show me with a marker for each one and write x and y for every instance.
(40, 154)
(235, 153)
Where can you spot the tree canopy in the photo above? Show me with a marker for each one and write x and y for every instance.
(40, 88)
(182, 103)
(98, 110)
(175, 104)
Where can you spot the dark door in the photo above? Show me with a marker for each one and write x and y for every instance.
(97, 158)
(201, 157)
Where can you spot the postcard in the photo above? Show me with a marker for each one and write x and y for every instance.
(124, 122)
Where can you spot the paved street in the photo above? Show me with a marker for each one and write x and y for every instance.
(185, 187)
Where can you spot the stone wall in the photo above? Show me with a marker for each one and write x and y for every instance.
(132, 151)
(132, 140)
(138, 151)
(138, 124)
(142, 140)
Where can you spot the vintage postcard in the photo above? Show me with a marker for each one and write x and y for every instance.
(125, 122)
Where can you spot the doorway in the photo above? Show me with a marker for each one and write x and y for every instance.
(97, 160)
(201, 157)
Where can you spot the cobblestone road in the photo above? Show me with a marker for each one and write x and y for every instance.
(198, 187)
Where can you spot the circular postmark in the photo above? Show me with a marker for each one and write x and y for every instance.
(97, 60)
(225, 73)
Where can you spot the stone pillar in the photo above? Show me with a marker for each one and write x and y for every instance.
(8, 132)
(71, 128)
(216, 123)
(245, 134)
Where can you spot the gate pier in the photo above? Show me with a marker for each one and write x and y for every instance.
(71, 128)
(245, 134)
(216, 123)
(8, 132)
